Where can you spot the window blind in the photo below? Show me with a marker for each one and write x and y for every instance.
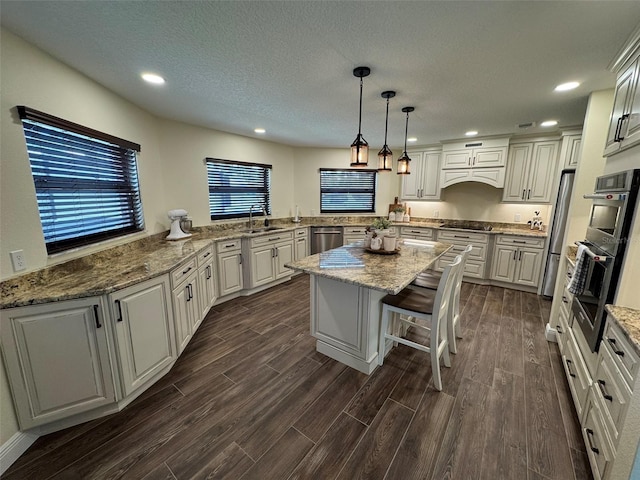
(87, 189)
(347, 191)
(235, 186)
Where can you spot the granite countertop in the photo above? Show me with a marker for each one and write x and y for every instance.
(572, 252)
(629, 321)
(388, 273)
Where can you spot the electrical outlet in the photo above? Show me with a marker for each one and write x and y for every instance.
(436, 214)
(18, 261)
(516, 217)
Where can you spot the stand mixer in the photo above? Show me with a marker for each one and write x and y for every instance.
(176, 232)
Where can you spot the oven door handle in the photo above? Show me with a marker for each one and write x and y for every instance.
(605, 196)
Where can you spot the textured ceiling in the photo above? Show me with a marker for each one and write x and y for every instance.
(287, 66)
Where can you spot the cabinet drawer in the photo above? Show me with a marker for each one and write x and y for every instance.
(229, 245)
(623, 355)
(205, 255)
(565, 306)
(301, 232)
(612, 392)
(413, 232)
(271, 239)
(465, 238)
(599, 448)
(577, 373)
(355, 231)
(472, 268)
(182, 272)
(520, 241)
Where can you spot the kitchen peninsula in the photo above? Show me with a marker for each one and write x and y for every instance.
(347, 284)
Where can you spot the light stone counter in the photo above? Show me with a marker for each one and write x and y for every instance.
(629, 321)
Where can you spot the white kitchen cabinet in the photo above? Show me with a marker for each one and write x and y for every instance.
(475, 157)
(207, 288)
(423, 183)
(186, 309)
(476, 262)
(57, 359)
(570, 149)
(144, 331)
(624, 123)
(417, 233)
(517, 260)
(230, 260)
(301, 247)
(530, 172)
(266, 256)
(353, 234)
(480, 161)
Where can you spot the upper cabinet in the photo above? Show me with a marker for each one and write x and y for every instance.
(423, 182)
(624, 124)
(570, 149)
(477, 161)
(530, 172)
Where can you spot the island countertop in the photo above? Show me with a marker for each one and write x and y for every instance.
(387, 273)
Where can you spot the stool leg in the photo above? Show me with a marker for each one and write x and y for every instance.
(384, 323)
(451, 336)
(435, 366)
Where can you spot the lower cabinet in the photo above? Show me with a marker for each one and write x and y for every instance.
(476, 262)
(353, 234)
(517, 260)
(57, 359)
(186, 310)
(144, 331)
(229, 267)
(267, 256)
(301, 243)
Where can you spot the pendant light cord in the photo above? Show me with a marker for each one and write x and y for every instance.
(360, 110)
(386, 124)
(406, 131)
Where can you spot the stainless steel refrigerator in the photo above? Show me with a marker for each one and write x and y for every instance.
(560, 216)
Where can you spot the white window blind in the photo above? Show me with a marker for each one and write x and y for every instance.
(86, 182)
(347, 191)
(235, 186)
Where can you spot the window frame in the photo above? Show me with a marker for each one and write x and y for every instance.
(372, 191)
(264, 190)
(37, 126)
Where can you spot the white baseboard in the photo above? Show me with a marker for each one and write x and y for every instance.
(11, 450)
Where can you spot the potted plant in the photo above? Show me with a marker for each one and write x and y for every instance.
(396, 214)
(381, 226)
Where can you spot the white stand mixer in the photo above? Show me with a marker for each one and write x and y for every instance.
(176, 232)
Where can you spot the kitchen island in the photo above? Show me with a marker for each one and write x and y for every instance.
(347, 284)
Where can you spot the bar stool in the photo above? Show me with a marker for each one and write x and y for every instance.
(427, 280)
(417, 306)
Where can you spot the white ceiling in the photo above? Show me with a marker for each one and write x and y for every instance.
(287, 66)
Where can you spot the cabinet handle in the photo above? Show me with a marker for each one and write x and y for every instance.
(119, 319)
(523, 193)
(520, 256)
(230, 245)
(469, 161)
(528, 194)
(519, 241)
(208, 272)
(622, 119)
(206, 255)
(602, 384)
(240, 258)
(273, 252)
(614, 346)
(301, 240)
(276, 249)
(565, 299)
(559, 330)
(515, 252)
(569, 363)
(569, 274)
(461, 236)
(616, 137)
(95, 312)
(593, 448)
(184, 272)
(474, 161)
(274, 239)
(189, 292)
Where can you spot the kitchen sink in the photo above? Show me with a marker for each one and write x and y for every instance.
(261, 230)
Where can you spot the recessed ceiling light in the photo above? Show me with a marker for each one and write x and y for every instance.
(259, 130)
(412, 139)
(563, 87)
(549, 123)
(152, 78)
(471, 133)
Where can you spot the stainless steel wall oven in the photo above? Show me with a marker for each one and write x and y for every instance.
(614, 202)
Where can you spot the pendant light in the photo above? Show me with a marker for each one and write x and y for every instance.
(385, 156)
(403, 161)
(360, 147)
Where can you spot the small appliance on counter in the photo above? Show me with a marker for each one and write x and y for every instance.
(177, 217)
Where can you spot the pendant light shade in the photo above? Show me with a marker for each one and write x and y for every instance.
(403, 161)
(360, 147)
(385, 156)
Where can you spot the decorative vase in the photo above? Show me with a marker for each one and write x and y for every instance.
(389, 243)
(406, 218)
(392, 216)
(376, 243)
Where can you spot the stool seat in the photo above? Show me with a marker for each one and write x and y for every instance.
(414, 300)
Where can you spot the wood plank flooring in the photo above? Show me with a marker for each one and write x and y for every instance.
(250, 398)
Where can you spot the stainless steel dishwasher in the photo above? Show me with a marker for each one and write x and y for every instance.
(325, 238)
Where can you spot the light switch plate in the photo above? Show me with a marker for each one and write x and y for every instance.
(516, 217)
(18, 261)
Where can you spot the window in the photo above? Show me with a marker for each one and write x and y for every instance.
(347, 191)
(234, 187)
(86, 181)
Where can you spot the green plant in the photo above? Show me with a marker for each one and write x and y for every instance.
(398, 210)
(381, 223)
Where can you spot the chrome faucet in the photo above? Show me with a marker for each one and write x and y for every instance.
(251, 217)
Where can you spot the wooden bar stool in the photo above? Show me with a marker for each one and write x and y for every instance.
(424, 311)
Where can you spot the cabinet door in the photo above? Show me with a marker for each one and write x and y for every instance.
(301, 250)
(229, 273)
(430, 176)
(572, 155)
(57, 359)
(515, 188)
(541, 172)
(181, 315)
(632, 134)
(456, 159)
(503, 265)
(284, 254)
(144, 328)
(207, 289)
(262, 270)
(528, 269)
(488, 157)
(620, 102)
(412, 184)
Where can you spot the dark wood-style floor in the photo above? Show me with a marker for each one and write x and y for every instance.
(250, 398)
